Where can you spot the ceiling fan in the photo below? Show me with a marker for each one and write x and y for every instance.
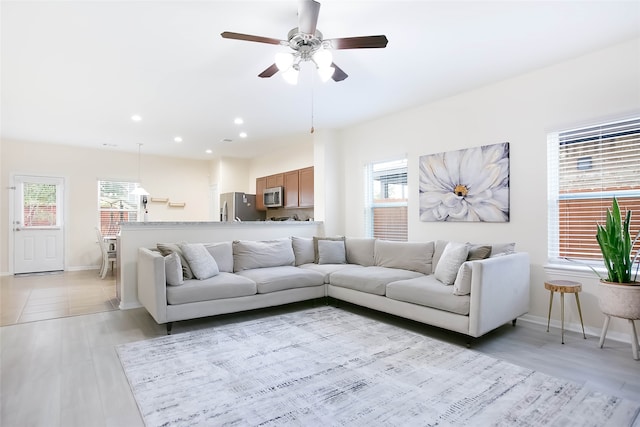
(308, 45)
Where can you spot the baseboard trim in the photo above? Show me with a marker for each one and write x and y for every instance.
(575, 327)
(129, 305)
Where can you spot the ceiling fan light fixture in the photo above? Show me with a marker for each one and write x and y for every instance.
(326, 73)
(284, 61)
(323, 58)
(291, 76)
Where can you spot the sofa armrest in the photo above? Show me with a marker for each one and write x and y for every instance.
(499, 291)
(152, 284)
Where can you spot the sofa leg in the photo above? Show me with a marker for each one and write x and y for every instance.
(169, 326)
(513, 322)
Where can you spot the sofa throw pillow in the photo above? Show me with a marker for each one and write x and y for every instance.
(173, 270)
(223, 254)
(303, 250)
(315, 245)
(248, 254)
(499, 249)
(462, 284)
(331, 252)
(202, 263)
(477, 252)
(412, 256)
(168, 248)
(360, 251)
(453, 256)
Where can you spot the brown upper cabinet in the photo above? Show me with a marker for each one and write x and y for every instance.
(305, 187)
(291, 187)
(298, 188)
(261, 184)
(276, 180)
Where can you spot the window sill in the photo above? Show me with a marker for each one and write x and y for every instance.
(578, 271)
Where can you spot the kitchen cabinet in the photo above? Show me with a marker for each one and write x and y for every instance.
(261, 184)
(297, 184)
(305, 187)
(291, 189)
(276, 180)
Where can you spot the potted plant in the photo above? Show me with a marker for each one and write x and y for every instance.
(616, 246)
(619, 293)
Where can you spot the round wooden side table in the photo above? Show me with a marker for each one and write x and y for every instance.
(564, 286)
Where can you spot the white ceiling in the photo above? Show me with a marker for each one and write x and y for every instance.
(75, 72)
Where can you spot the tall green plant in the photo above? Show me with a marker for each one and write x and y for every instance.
(615, 243)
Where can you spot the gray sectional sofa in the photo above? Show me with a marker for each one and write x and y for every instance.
(466, 288)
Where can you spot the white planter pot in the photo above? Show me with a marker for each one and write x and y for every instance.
(620, 300)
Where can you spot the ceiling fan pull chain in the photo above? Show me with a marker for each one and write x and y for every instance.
(312, 84)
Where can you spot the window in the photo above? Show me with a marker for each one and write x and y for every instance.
(117, 205)
(386, 200)
(587, 167)
(40, 203)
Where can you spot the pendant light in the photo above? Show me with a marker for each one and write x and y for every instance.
(139, 191)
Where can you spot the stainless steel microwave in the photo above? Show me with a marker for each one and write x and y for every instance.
(273, 197)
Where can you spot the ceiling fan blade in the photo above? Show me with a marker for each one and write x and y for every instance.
(338, 74)
(250, 38)
(308, 11)
(363, 42)
(273, 68)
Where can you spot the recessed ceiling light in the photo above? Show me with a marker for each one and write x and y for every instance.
(238, 121)
(243, 134)
(136, 118)
(209, 151)
(177, 139)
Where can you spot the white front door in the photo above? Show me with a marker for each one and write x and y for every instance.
(38, 235)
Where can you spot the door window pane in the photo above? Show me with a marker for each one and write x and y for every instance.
(39, 205)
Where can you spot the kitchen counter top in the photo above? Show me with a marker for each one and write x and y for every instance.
(172, 224)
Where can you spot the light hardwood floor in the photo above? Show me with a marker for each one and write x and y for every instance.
(41, 296)
(65, 372)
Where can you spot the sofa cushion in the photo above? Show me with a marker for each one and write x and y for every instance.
(327, 269)
(331, 252)
(404, 255)
(200, 260)
(248, 254)
(303, 250)
(273, 279)
(477, 252)
(360, 251)
(462, 285)
(429, 292)
(369, 279)
(168, 248)
(223, 254)
(315, 244)
(222, 286)
(450, 261)
(498, 249)
(173, 270)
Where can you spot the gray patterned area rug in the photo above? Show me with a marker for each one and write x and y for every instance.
(329, 367)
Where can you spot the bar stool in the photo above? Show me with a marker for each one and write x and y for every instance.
(564, 286)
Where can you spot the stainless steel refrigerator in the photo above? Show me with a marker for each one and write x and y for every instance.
(239, 207)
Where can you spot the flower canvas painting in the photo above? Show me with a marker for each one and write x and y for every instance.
(466, 185)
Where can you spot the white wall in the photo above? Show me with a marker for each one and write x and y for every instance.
(521, 111)
(180, 180)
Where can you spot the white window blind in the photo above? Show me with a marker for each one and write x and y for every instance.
(117, 205)
(587, 167)
(386, 200)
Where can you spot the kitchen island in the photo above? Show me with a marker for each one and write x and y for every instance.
(134, 235)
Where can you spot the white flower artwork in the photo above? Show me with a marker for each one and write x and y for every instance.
(466, 185)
